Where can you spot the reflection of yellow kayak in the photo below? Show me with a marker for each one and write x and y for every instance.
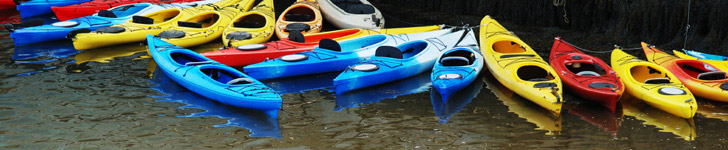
(666, 122)
(204, 27)
(137, 29)
(709, 110)
(518, 67)
(533, 113)
(252, 27)
(654, 84)
(105, 54)
(722, 65)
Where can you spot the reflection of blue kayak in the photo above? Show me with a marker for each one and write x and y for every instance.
(259, 124)
(705, 56)
(331, 56)
(405, 60)
(444, 109)
(456, 69)
(303, 83)
(43, 53)
(39, 7)
(212, 79)
(415, 84)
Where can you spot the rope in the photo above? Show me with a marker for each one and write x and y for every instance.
(687, 26)
(558, 3)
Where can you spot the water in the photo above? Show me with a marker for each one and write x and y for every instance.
(55, 98)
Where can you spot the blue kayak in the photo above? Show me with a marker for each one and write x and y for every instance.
(456, 69)
(39, 7)
(331, 56)
(705, 56)
(395, 63)
(212, 79)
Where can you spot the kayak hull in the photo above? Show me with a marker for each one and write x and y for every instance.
(193, 36)
(40, 7)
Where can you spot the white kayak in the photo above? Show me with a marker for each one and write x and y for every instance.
(352, 14)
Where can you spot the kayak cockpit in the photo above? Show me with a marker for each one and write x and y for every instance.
(250, 21)
(458, 58)
(200, 21)
(508, 47)
(186, 59)
(700, 70)
(647, 74)
(585, 69)
(534, 74)
(224, 76)
(156, 17)
(404, 51)
(300, 14)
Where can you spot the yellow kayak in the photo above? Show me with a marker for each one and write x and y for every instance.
(518, 67)
(703, 80)
(542, 118)
(722, 65)
(204, 27)
(653, 84)
(666, 122)
(137, 29)
(252, 27)
(303, 16)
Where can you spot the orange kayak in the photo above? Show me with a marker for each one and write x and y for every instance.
(303, 16)
(701, 78)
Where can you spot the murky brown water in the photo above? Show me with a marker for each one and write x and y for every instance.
(110, 98)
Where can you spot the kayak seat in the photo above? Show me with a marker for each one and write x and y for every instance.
(106, 13)
(171, 34)
(716, 75)
(239, 36)
(142, 20)
(657, 81)
(588, 73)
(455, 61)
(330, 44)
(189, 24)
(296, 37)
(388, 51)
(297, 27)
(297, 17)
(247, 25)
(242, 80)
(600, 85)
(111, 30)
(354, 6)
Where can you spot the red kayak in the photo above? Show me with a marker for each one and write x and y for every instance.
(7, 4)
(255, 53)
(585, 75)
(89, 8)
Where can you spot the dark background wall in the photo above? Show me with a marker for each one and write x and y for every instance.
(659, 22)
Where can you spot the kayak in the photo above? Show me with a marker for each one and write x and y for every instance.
(455, 69)
(518, 67)
(391, 63)
(352, 14)
(255, 53)
(136, 29)
(204, 27)
(89, 8)
(706, 56)
(252, 27)
(5, 4)
(703, 80)
(212, 79)
(586, 75)
(106, 18)
(665, 122)
(303, 16)
(718, 63)
(544, 119)
(32, 8)
(331, 56)
(653, 84)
